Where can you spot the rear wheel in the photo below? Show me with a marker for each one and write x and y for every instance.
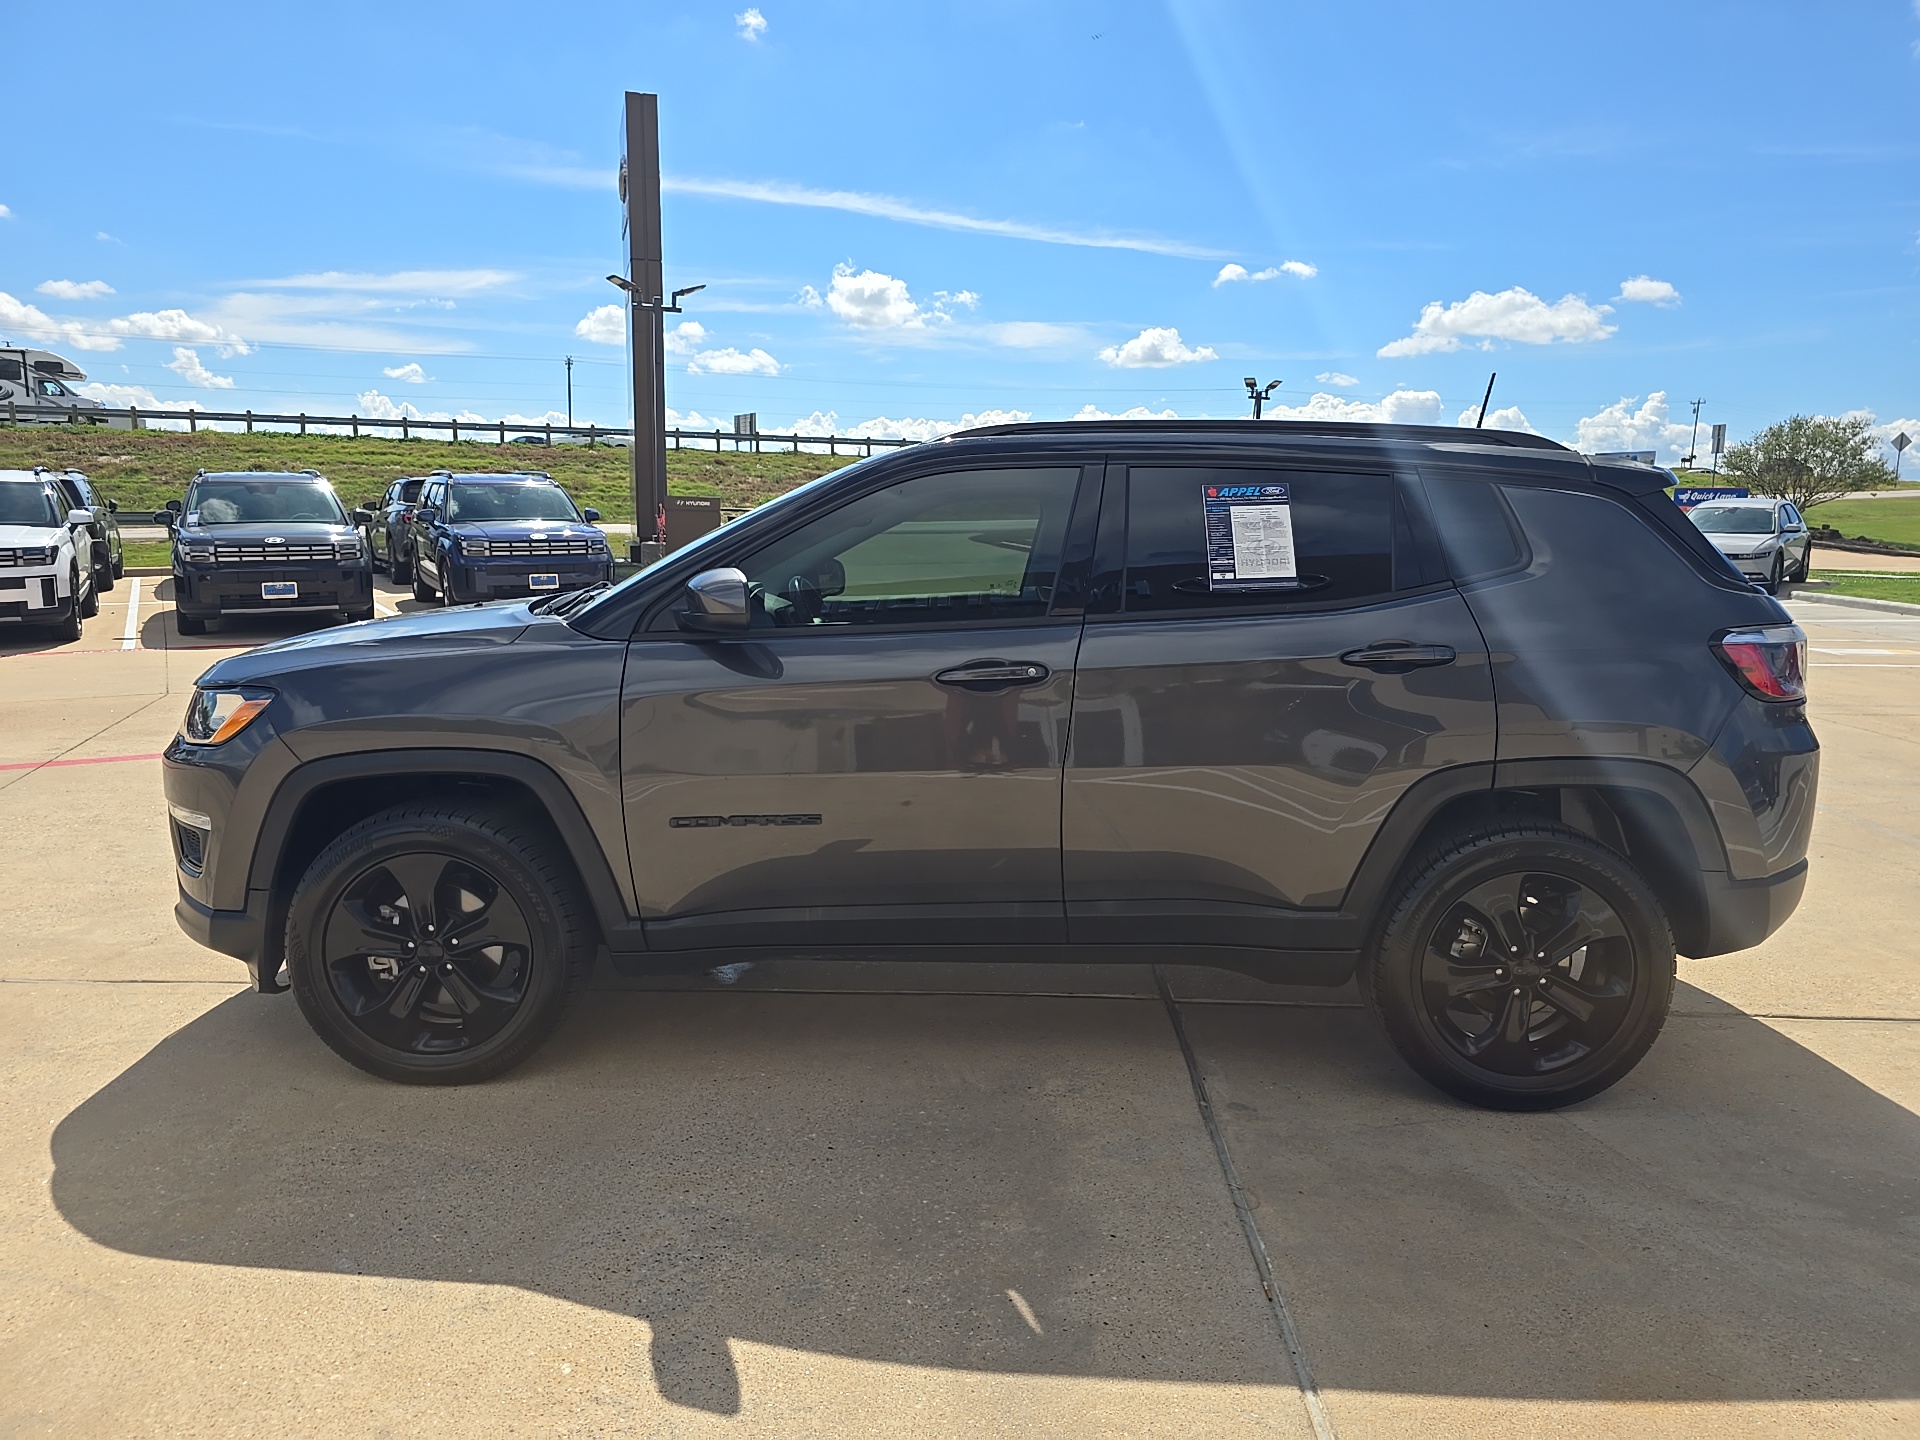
(103, 572)
(1523, 967)
(397, 565)
(437, 944)
(119, 564)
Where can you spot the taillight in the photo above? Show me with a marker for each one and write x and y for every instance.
(1771, 663)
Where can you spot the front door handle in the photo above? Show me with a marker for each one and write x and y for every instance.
(1399, 652)
(993, 674)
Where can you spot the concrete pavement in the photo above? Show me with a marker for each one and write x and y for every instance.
(884, 1199)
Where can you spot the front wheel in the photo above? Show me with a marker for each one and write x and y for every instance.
(421, 589)
(189, 624)
(1523, 967)
(89, 607)
(437, 944)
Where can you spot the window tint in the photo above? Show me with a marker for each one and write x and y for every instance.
(26, 502)
(509, 500)
(960, 548)
(1340, 529)
(1789, 515)
(240, 502)
(1478, 534)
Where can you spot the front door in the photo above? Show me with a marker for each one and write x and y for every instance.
(878, 760)
(1286, 661)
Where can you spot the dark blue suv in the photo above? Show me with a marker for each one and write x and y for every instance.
(491, 537)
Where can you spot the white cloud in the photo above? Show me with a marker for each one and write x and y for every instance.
(34, 323)
(409, 373)
(604, 325)
(1884, 431)
(871, 300)
(1231, 273)
(882, 428)
(731, 362)
(685, 338)
(1033, 335)
(1336, 377)
(186, 364)
(1630, 424)
(1645, 290)
(138, 397)
(407, 282)
(1138, 412)
(74, 289)
(809, 298)
(108, 239)
(752, 23)
(5, 213)
(376, 406)
(179, 325)
(1508, 418)
(1516, 315)
(1155, 348)
(886, 207)
(1402, 407)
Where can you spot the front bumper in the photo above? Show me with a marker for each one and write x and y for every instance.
(485, 579)
(239, 933)
(207, 593)
(33, 596)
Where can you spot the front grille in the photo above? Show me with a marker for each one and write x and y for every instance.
(35, 555)
(251, 553)
(538, 547)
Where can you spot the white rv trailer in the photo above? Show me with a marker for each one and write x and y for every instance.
(37, 387)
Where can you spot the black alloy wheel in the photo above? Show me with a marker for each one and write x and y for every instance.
(1526, 967)
(436, 944)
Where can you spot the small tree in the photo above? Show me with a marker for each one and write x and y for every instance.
(1809, 459)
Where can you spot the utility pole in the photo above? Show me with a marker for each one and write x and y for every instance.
(569, 392)
(1485, 400)
(1259, 396)
(1694, 439)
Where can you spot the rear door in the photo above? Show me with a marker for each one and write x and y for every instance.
(1264, 688)
(879, 760)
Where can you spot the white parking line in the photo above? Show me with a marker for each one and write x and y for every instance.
(130, 636)
(382, 608)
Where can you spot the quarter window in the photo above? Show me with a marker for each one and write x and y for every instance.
(1305, 537)
(966, 547)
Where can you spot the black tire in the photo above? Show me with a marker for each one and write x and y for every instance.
(448, 595)
(389, 882)
(103, 573)
(365, 612)
(421, 590)
(189, 624)
(1804, 568)
(1777, 577)
(398, 567)
(1579, 1018)
(90, 606)
(119, 565)
(69, 627)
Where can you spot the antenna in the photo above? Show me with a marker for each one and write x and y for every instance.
(1480, 424)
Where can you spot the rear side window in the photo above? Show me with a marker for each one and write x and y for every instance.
(1214, 538)
(1478, 533)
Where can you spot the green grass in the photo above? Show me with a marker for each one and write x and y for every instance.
(1894, 521)
(142, 470)
(146, 553)
(1890, 586)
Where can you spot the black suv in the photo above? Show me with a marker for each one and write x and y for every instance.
(1480, 720)
(385, 525)
(107, 557)
(491, 537)
(263, 542)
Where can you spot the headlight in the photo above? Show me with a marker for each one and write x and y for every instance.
(216, 716)
(49, 554)
(197, 554)
(597, 545)
(475, 547)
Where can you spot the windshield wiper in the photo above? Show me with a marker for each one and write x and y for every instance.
(562, 605)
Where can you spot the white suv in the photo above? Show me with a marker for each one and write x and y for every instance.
(42, 581)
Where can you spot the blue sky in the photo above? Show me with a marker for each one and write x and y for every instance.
(913, 214)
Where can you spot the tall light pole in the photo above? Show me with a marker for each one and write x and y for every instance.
(1694, 439)
(569, 392)
(1258, 395)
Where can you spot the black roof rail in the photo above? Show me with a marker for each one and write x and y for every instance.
(1329, 429)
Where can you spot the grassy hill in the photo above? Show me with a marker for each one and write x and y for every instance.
(144, 469)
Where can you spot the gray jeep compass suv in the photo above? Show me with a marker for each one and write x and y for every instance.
(1485, 723)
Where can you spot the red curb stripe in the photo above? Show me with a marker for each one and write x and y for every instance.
(90, 760)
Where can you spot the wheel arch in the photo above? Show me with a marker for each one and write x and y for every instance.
(321, 798)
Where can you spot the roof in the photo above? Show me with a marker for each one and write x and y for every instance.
(522, 476)
(258, 475)
(1269, 430)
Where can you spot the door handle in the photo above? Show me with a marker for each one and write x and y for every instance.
(1399, 652)
(993, 674)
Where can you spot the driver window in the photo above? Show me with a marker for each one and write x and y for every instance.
(960, 548)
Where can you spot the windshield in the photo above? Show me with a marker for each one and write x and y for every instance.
(1733, 519)
(509, 500)
(26, 503)
(252, 502)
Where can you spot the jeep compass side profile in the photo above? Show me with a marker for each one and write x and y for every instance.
(1482, 722)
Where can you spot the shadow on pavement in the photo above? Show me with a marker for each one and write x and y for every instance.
(878, 1177)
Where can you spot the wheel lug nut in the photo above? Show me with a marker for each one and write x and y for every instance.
(1516, 989)
(452, 940)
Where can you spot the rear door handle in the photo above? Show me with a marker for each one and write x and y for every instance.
(1399, 652)
(993, 674)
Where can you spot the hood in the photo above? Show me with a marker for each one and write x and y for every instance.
(469, 628)
(30, 535)
(1721, 540)
(301, 532)
(525, 529)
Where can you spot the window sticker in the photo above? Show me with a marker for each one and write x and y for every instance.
(1250, 537)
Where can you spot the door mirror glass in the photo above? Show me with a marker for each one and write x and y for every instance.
(426, 514)
(717, 603)
(363, 515)
(164, 517)
(174, 506)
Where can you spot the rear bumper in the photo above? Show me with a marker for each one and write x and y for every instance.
(1742, 913)
(239, 933)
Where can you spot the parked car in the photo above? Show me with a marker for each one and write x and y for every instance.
(261, 542)
(105, 552)
(491, 537)
(384, 525)
(1461, 714)
(45, 548)
(1765, 540)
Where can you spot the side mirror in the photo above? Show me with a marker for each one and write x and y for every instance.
(362, 515)
(113, 507)
(164, 517)
(371, 505)
(426, 514)
(79, 517)
(591, 516)
(174, 506)
(717, 603)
